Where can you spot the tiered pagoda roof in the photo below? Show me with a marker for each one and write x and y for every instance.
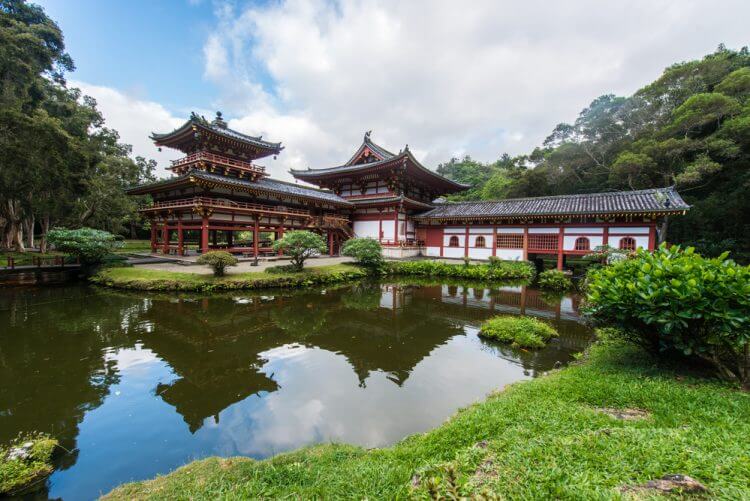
(264, 186)
(370, 159)
(198, 133)
(651, 202)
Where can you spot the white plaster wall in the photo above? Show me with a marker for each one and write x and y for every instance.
(629, 230)
(510, 230)
(455, 229)
(480, 253)
(577, 230)
(453, 251)
(432, 251)
(569, 242)
(544, 230)
(510, 254)
(366, 229)
(461, 240)
(480, 229)
(389, 229)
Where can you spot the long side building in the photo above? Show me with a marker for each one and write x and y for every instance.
(218, 192)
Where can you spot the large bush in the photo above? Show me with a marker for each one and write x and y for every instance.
(554, 280)
(502, 270)
(367, 251)
(218, 261)
(300, 245)
(90, 246)
(522, 332)
(673, 300)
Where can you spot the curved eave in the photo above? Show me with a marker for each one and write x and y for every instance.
(379, 202)
(654, 213)
(184, 133)
(334, 172)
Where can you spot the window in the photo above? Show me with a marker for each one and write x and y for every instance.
(627, 243)
(453, 242)
(479, 242)
(509, 241)
(582, 244)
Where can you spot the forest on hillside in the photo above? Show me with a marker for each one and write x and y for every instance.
(690, 128)
(59, 164)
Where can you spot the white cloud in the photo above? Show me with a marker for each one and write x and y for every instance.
(483, 78)
(135, 119)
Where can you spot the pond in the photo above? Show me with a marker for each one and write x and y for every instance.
(137, 384)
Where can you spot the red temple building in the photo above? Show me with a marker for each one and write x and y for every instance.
(219, 190)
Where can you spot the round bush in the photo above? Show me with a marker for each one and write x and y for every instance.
(367, 251)
(674, 300)
(521, 332)
(218, 261)
(554, 280)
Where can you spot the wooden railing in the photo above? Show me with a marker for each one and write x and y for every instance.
(219, 160)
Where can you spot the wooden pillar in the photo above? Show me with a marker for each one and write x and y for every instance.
(560, 249)
(494, 240)
(466, 241)
(395, 223)
(180, 239)
(330, 243)
(525, 243)
(442, 240)
(153, 236)
(256, 230)
(652, 237)
(165, 239)
(523, 299)
(280, 235)
(605, 236)
(204, 235)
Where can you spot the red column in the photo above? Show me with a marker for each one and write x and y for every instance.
(652, 237)
(395, 223)
(442, 240)
(204, 235)
(560, 249)
(494, 240)
(280, 234)
(525, 243)
(330, 243)
(605, 237)
(153, 236)
(180, 240)
(165, 239)
(466, 242)
(256, 230)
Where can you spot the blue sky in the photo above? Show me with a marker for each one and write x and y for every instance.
(491, 77)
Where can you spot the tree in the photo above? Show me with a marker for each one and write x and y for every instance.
(300, 245)
(90, 246)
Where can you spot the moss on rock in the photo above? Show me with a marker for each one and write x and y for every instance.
(522, 332)
(25, 462)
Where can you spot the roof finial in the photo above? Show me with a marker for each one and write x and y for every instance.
(406, 148)
(367, 135)
(219, 121)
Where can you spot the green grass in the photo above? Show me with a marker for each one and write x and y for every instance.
(134, 246)
(24, 258)
(18, 475)
(522, 332)
(144, 279)
(542, 439)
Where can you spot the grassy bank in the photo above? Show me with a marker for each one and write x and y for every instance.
(136, 278)
(25, 463)
(498, 270)
(547, 438)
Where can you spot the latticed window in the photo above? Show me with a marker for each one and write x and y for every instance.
(543, 241)
(453, 242)
(509, 241)
(582, 244)
(479, 242)
(627, 243)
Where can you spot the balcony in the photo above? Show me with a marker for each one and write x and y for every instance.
(213, 159)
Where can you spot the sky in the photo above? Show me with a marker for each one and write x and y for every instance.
(448, 78)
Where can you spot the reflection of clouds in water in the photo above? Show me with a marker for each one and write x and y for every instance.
(320, 399)
(130, 358)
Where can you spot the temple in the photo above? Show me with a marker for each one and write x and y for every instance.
(220, 194)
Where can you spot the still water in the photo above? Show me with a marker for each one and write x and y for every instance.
(135, 385)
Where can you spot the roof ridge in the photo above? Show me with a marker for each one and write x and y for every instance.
(547, 197)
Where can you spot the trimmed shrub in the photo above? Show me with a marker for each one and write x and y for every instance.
(673, 300)
(521, 332)
(503, 270)
(90, 246)
(218, 261)
(300, 245)
(367, 251)
(554, 280)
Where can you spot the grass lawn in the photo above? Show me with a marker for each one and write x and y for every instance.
(145, 279)
(543, 439)
(134, 246)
